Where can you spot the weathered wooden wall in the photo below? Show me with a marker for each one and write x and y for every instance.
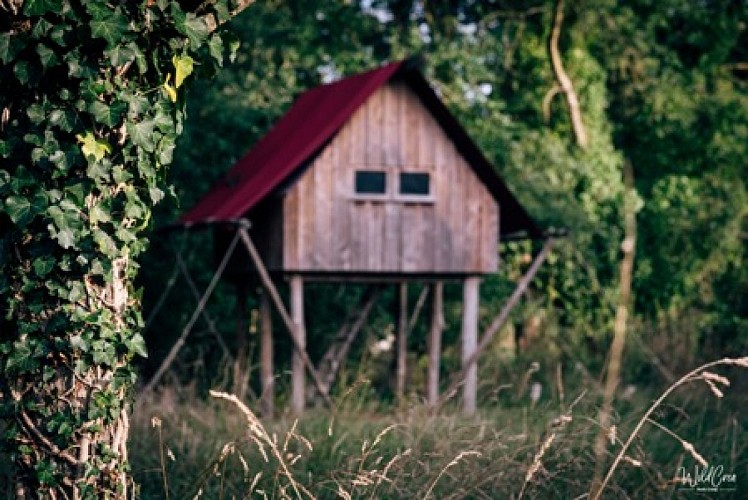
(327, 228)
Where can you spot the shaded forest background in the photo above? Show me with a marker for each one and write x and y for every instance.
(662, 85)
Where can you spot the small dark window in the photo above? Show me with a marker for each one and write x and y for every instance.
(371, 182)
(414, 184)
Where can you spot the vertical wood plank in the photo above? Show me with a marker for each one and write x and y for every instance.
(471, 220)
(442, 222)
(342, 211)
(376, 238)
(323, 198)
(391, 122)
(374, 126)
(307, 220)
(410, 116)
(357, 137)
(291, 233)
(489, 235)
(392, 248)
(298, 389)
(410, 238)
(402, 342)
(267, 382)
(434, 343)
(470, 305)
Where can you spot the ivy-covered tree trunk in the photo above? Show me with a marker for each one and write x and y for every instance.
(90, 108)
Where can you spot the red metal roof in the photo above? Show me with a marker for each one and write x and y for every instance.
(313, 120)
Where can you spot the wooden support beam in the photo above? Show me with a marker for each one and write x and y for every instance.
(298, 386)
(417, 309)
(182, 265)
(267, 283)
(338, 351)
(499, 321)
(434, 343)
(169, 359)
(241, 377)
(402, 342)
(470, 300)
(267, 381)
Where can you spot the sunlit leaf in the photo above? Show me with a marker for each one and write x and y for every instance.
(183, 65)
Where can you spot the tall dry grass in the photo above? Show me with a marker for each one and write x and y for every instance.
(216, 447)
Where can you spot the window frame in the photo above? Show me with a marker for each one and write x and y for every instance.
(392, 185)
(414, 197)
(371, 196)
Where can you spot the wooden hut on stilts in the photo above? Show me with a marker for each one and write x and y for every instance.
(371, 180)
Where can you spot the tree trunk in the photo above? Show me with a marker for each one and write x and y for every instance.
(612, 377)
(90, 111)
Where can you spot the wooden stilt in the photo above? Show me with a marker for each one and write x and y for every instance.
(266, 357)
(240, 360)
(402, 342)
(267, 283)
(498, 322)
(470, 343)
(298, 393)
(434, 343)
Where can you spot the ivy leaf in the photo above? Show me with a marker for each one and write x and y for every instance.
(137, 345)
(93, 147)
(63, 119)
(98, 214)
(21, 210)
(169, 89)
(65, 238)
(125, 235)
(111, 27)
(156, 195)
(142, 134)
(10, 46)
(183, 66)
(21, 71)
(120, 175)
(43, 266)
(194, 28)
(103, 356)
(47, 56)
(166, 151)
(39, 7)
(120, 55)
(107, 115)
(137, 105)
(233, 42)
(36, 113)
(98, 171)
(20, 358)
(77, 342)
(215, 47)
(105, 242)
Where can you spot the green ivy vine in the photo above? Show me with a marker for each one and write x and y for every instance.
(92, 102)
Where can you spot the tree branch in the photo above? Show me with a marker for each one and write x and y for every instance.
(213, 22)
(575, 113)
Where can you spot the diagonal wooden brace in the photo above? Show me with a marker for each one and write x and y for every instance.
(169, 359)
(498, 322)
(267, 283)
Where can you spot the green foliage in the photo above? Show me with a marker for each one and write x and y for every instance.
(88, 135)
(656, 88)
